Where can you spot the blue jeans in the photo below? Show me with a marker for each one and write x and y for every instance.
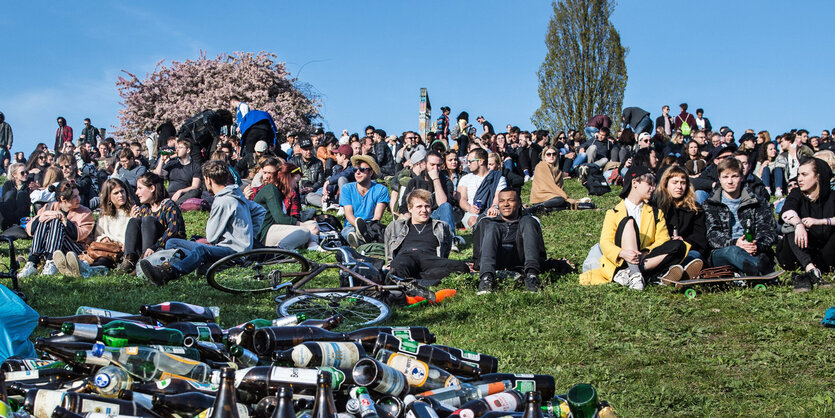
(691, 255)
(701, 196)
(444, 214)
(645, 125)
(347, 229)
(736, 257)
(777, 182)
(579, 158)
(197, 254)
(590, 132)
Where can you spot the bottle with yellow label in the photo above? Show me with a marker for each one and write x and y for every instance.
(419, 375)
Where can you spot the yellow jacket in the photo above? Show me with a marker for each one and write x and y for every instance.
(652, 233)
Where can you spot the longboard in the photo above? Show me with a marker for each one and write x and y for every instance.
(689, 283)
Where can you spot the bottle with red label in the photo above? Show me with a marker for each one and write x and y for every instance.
(507, 401)
(178, 312)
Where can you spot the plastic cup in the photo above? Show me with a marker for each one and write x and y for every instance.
(582, 400)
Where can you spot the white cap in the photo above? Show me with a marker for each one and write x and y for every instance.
(260, 146)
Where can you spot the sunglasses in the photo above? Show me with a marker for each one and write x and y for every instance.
(550, 154)
(66, 166)
(41, 157)
(474, 160)
(364, 169)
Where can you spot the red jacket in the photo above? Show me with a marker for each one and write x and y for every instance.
(62, 135)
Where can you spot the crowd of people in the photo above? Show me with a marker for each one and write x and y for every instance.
(92, 204)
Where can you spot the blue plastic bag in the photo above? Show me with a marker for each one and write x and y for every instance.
(17, 321)
(829, 318)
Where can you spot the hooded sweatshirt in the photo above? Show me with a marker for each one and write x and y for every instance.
(234, 220)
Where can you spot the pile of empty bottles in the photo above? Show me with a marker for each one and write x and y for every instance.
(174, 360)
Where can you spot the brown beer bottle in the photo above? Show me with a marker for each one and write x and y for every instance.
(324, 405)
(339, 354)
(226, 404)
(426, 353)
(167, 312)
(188, 403)
(488, 364)
(533, 400)
(284, 408)
(327, 323)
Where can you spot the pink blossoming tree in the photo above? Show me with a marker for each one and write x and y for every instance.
(184, 89)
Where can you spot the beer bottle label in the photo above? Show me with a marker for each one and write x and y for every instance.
(470, 355)
(334, 354)
(391, 383)
(169, 349)
(204, 333)
(502, 402)
(23, 375)
(291, 375)
(402, 333)
(337, 377)
(90, 405)
(525, 386)
(416, 371)
(46, 401)
(452, 381)
(408, 346)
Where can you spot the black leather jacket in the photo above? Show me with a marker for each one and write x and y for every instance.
(313, 172)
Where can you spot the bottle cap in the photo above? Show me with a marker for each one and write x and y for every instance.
(98, 349)
(102, 380)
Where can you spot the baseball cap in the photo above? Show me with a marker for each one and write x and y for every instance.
(305, 142)
(418, 156)
(345, 150)
(260, 146)
(633, 173)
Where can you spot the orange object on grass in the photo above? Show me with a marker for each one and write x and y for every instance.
(439, 296)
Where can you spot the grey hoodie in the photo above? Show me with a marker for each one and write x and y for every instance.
(234, 220)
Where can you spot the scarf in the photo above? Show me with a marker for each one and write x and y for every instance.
(547, 183)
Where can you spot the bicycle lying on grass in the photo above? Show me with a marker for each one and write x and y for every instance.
(357, 296)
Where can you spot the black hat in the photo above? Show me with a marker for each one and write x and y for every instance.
(292, 133)
(722, 149)
(318, 131)
(633, 173)
(746, 136)
(305, 142)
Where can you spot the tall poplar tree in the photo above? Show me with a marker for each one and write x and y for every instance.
(584, 72)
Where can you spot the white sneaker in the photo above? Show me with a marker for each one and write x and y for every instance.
(778, 192)
(636, 281)
(527, 179)
(622, 277)
(454, 248)
(340, 211)
(49, 268)
(28, 269)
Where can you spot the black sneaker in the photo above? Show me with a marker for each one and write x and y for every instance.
(485, 285)
(128, 265)
(362, 229)
(158, 275)
(765, 264)
(802, 283)
(815, 277)
(532, 282)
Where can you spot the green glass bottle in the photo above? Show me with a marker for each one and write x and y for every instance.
(748, 234)
(124, 333)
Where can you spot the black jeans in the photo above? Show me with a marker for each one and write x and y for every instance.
(427, 268)
(511, 245)
(818, 252)
(672, 250)
(555, 203)
(142, 234)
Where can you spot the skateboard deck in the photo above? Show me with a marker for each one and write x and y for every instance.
(692, 282)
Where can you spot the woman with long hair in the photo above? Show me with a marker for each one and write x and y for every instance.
(156, 220)
(52, 176)
(694, 163)
(452, 167)
(15, 196)
(64, 225)
(280, 197)
(116, 206)
(768, 170)
(37, 165)
(547, 186)
(809, 210)
(675, 197)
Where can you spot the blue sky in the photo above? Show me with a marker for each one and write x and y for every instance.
(750, 64)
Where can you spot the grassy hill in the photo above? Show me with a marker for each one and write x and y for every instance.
(650, 353)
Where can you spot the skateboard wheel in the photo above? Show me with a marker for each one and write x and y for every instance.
(690, 293)
(760, 286)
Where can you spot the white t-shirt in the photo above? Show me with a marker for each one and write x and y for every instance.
(472, 183)
(634, 210)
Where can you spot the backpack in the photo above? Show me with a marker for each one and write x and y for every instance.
(194, 204)
(596, 184)
(200, 128)
(583, 171)
(685, 127)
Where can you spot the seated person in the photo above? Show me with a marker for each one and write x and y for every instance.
(112, 224)
(183, 174)
(635, 243)
(46, 192)
(342, 173)
(729, 212)
(364, 202)
(809, 212)
(15, 202)
(233, 221)
(547, 187)
(156, 220)
(418, 246)
(280, 197)
(248, 165)
(685, 218)
(430, 176)
(478, 190)
(312, 171)
(128, 169)
(510, 239)
(86, 183)
(64, 225)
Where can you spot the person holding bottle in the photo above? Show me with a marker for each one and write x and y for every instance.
(635, 243)
(685, 218)
(64, 225)
(808, 214)
(731, 213)
(280, 197)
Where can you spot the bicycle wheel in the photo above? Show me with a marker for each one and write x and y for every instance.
(359, 310)
(256, 271)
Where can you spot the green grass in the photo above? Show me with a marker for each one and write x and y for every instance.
(652, 353)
